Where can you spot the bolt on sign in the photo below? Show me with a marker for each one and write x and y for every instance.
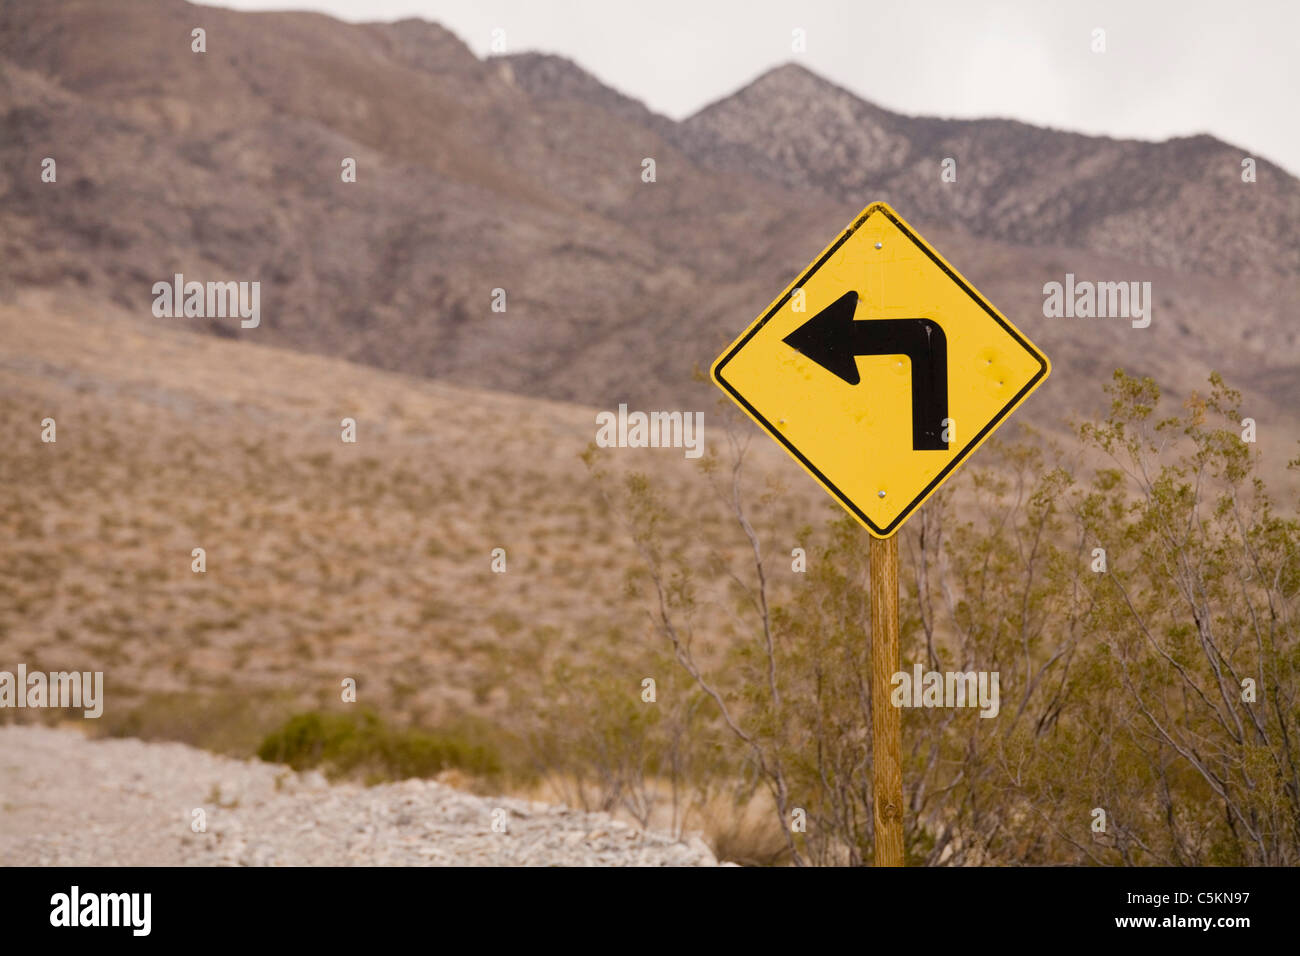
(880, 369)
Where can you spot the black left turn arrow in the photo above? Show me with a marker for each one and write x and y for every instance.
(834, 339)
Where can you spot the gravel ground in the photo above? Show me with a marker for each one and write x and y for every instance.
(66, 800)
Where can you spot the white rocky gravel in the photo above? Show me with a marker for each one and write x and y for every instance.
(70, 801)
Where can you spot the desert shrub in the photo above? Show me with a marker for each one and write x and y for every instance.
(1162, 689)
(363, 745)
(598, 744)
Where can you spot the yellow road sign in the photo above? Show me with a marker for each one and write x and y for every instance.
(880, 369)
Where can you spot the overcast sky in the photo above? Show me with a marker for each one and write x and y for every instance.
(1170, 68)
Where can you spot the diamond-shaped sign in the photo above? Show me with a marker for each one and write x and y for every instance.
(880, 369)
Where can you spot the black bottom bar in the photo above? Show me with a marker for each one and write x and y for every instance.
(968, 907)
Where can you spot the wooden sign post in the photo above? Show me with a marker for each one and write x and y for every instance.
(880, 370)
(886, 720)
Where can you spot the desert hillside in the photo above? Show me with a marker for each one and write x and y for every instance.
(324, 559)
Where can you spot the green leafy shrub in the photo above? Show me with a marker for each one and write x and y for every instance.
(362, 744)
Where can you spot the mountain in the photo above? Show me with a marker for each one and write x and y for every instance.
(1179, 204)
(524, 174)
(226, 165)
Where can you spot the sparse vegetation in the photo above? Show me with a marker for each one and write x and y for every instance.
(361, 744)
(1117, 688)
(1164, 689)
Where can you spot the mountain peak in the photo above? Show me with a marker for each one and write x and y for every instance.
(795, 78)
(1009, 180)
(793, 71)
